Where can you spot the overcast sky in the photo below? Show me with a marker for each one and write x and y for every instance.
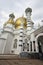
(18, 8)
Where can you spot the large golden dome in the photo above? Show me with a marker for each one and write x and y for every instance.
(19, 21)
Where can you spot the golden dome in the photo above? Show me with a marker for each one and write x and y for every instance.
(10, 21)
(19, 21)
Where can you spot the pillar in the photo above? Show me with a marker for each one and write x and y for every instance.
(37, 49)
(32, 39)
(21, 38)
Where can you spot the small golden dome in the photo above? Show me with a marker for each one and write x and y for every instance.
(19, 21)
(10, 21)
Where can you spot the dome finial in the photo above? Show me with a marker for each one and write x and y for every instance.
(28, 10)
(11, 15)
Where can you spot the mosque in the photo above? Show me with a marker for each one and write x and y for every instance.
(19, 37)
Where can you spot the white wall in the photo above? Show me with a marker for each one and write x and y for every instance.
(8, 43)
(2, 44)
(18, 49)
(3, 38)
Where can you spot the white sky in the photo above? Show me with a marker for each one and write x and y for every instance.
(18, 8)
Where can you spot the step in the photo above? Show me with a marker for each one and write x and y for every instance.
(10, 59)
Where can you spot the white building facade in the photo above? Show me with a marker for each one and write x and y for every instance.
(20, 36)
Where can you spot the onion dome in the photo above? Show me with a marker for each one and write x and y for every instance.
(28, 10)
(10, 21)
(19, 21)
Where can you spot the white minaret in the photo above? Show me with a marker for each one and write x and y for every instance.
(29, 21)
(29, 25)
(21, 38)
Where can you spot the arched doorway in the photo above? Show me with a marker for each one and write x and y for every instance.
(39, 39)
(40, 43)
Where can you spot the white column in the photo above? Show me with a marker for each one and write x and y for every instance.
(36, 43)
(32, 46)
(29, 47)
(32, 39)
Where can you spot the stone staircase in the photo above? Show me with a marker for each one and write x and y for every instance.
(6, 59)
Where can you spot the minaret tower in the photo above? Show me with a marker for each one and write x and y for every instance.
(29, 21)
(21, 37)
(28, 12)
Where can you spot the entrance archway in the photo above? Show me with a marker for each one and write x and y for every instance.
(40, 43)
(39, 39)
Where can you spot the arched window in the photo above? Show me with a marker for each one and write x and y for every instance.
(15, 43)
(31, 45)
(34, 46)
(23, 46)
(27, 47)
